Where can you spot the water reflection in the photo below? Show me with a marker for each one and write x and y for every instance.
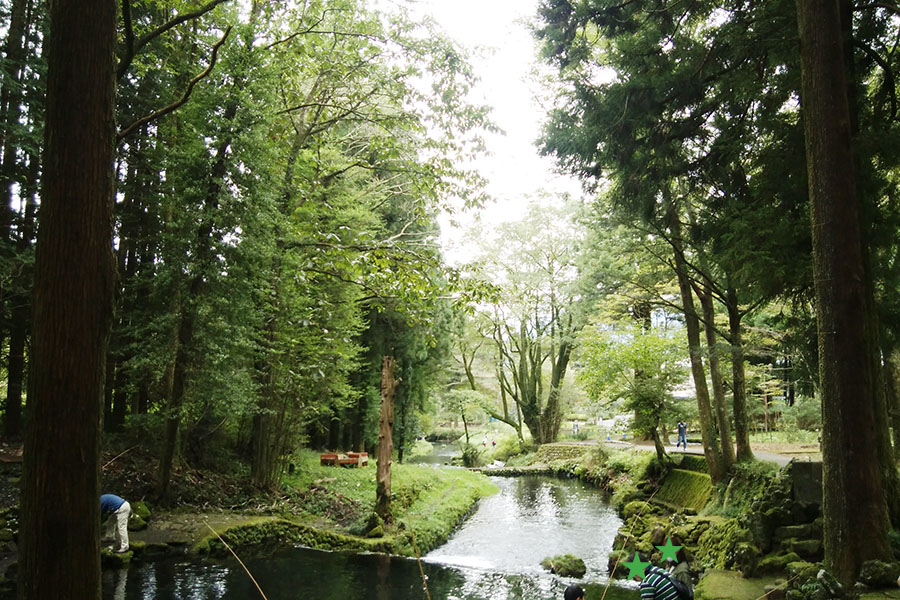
(495, 555)
(530, 519)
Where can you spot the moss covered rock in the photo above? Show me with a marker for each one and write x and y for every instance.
(565, 565)
(807, 549)
(728, 545)
(115, 560)
(720, 584)
(141, 509)
(136, 523)
(776, 563)
(879, 574)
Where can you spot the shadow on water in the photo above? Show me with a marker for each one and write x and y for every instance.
(494, 555)
(301, 573)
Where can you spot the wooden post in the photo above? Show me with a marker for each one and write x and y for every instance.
(385, 439)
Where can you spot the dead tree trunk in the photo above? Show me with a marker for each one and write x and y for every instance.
(385, 439)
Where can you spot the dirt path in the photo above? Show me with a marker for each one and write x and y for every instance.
(785, 454)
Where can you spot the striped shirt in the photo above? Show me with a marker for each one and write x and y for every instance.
(657, 586)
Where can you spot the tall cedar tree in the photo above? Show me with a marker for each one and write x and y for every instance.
(856, 520)
(73, 298)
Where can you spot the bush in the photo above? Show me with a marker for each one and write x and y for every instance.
(470, 455)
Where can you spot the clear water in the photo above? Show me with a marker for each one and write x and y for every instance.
(495, 555)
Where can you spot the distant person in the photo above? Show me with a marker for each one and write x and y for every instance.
(116, 510)
(573, 592)
(682, 434)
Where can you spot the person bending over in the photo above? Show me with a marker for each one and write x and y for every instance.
(117, 510)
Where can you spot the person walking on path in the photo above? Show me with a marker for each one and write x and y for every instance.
(116, 510)
(682, 434)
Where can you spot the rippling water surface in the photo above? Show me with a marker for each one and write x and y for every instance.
(495, 555)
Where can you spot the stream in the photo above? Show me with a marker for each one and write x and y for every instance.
(494, 555)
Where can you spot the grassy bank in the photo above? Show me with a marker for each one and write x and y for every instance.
(427, 502)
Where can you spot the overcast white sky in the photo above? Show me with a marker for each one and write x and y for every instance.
(514, 168)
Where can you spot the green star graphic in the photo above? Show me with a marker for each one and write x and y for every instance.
(636, 567)
(669, 551)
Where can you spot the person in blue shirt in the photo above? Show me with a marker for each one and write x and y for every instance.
(116, 510)
(682, 434)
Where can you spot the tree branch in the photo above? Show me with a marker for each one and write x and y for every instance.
(132, 49)
(187, 94)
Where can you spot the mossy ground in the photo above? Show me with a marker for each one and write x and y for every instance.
(331, 508)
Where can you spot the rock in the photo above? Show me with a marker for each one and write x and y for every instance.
(879, 574)
(376, 532)
(775, 563)
(808, 531)
(829, 583)
(565, 565)
(808, 549)
(636, 507)
(775, 591)
(615, 564)
(802, 569)
(115, 560)
(136, 523)
(140, 509)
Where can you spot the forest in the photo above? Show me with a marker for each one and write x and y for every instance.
(221, 217)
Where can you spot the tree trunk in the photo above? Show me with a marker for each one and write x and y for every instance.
(855, 514)
(692, 324)
(385, 439)
(892, 388)
(59, 541)
(738, 380)
(715, 375)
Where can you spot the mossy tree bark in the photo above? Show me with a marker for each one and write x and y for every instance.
(692, 324)
(385, 439)
(855, 513)
(738, 378)
(59, 542)
(715, 374)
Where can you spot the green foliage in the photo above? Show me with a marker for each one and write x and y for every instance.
(471, 455)
(623, 360)
(633, 462)
(747, 483)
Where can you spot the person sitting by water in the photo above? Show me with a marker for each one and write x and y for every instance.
(655, 583)
(573, 592)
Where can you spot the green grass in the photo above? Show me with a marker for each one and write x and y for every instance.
(428, 501)
(793, 436)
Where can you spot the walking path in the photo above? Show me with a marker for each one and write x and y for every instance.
(779, 458)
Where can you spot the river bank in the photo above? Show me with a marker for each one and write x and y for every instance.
(757, 535)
